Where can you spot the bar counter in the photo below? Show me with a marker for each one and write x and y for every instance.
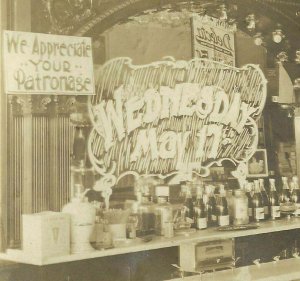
(283, 270)
(137, 245)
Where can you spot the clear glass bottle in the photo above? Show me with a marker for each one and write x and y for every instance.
(266, 202)
(163, 209)
(200, 214)
(222, 207)
(257, 203)
(295, 197)
(285, 195)
(146, 213)
(240, 207)
(274, 201)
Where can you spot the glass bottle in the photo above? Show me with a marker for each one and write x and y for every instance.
(163, 209)
(285, 195)
(249, 196)
(210, 206)
(274, 201)
(295, 197)
(79, 145)
(222, 208)
(188, 206)
(266, 202)
(183, 188)
(146, 215)
(200, 214)
(240, 207)
(257, 203)
(230, 201)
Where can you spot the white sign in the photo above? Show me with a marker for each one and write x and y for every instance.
(173, 116)
(213, 39)
(37, 63)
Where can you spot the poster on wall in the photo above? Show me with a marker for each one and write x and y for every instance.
(213, 39)
(171, 117)
(36, 63)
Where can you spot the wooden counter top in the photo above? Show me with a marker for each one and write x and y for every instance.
(137, 245)
(283, 270)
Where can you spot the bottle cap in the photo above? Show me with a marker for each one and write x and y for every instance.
(162, 190)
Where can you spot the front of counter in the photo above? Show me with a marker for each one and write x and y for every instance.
(283, 270)
(138, 245)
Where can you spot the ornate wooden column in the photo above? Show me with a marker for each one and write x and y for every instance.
(61, 140)
(39, 157)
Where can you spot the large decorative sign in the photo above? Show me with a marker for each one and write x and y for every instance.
(171, 117)
(47, 64)
(213, 39)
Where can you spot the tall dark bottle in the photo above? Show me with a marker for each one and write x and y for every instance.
(295, 197)
(222, 208)
(210, 202)
(200, 214)
(257, 203)
(285, 195)
(274, 201)
(249, 196)
(79, 145)
(265, 197)
(189, 206)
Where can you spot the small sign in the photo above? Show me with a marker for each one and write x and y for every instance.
(36, 63)
(213, 39)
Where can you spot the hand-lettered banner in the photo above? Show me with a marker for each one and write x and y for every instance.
(37, 63)
(173, 116)
(213, 39)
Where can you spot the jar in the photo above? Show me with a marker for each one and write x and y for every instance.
(83, 216)
(163, 210)
(146, 216)
(240, 207)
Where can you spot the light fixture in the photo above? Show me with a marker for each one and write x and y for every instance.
(223, 12)
(250, 19)
(258, 39)
(277, 35)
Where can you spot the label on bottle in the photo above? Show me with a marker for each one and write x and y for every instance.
(223, 220)
(259, 213)
(201, 223)
(275, 212)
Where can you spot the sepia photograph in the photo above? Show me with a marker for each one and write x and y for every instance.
(150, 140)
(258, 164)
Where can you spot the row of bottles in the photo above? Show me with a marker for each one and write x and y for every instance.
(203, 207)
(263, 205)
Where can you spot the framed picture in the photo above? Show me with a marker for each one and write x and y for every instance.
(258, 165)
